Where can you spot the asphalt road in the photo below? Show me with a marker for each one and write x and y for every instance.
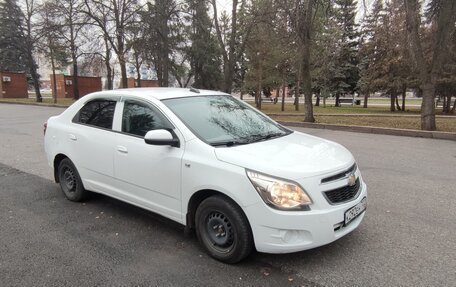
(406, 239)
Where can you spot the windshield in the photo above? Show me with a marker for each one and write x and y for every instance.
(224, 120)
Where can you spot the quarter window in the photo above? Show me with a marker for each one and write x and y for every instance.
(98, 113)
(139, 118)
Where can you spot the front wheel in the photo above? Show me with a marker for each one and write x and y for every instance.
(223, 229)
(70, 181)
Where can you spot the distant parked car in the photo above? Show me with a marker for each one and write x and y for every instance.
(210, 162)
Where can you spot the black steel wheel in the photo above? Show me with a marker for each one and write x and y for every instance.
(70, 181)
(223, 229)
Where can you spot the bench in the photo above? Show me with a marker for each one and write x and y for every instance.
(349, 101)
(269, 100)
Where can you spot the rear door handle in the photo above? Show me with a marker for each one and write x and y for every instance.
(122, 149)
(73, 137)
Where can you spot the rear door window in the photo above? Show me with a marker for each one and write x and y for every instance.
(99, 113)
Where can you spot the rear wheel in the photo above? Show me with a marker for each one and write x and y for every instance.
(223, 229)
(70, 181)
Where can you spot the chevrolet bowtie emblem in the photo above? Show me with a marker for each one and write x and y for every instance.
(351, 180)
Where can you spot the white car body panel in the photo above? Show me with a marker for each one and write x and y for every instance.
(163, 179)
(293, 156)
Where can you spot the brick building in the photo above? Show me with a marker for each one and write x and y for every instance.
(13, 85)
(86, 85)
(131, 83)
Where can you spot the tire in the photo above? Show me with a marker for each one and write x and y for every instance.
(223, 229)
(70, 181)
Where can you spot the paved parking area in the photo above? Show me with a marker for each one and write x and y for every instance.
(406, 239)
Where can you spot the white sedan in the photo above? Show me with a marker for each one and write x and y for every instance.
(210, 162)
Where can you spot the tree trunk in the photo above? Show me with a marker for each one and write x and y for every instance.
(35, 78)
(75, 79)
(324, 100)
(427, 107)
(259, 85)
(296, 99)
(317, 101)
(397, 104)
(138, 71)
(165, 58)
(109, 73)
(306, 78)
(366, 98)
(297, 87)
(454, 106)
(393, 101)
(337, 100)
(404, 94)
(54, 78)
(123, 71)
(283, 96)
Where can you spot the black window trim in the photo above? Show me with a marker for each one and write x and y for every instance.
(111, 99)
(125, 99)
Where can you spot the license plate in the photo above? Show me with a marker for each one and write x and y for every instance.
(355, 211)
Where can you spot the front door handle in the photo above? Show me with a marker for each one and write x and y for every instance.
(122, 149)
(73, 137)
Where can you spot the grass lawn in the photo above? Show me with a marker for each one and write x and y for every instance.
(331, 109)
(443, 124)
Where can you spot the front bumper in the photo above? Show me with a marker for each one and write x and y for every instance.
(276, 231)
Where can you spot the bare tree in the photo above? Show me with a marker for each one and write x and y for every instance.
(51, 40)
(229, 56)
(31, 39)
(428, 72)
(302, 23)
(72, 22)
(114, 18)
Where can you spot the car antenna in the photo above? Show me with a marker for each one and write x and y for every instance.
(192, 89)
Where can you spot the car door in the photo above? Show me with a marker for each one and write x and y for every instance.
(91, 140)
(149, 175)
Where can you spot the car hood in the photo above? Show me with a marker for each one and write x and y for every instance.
(294, 156)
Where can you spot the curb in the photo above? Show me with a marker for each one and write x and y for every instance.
(375, 130)
(360, 115)
(34, 104)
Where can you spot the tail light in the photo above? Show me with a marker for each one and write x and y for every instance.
(45, 125)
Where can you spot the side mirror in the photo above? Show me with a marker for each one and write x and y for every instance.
(162, 137)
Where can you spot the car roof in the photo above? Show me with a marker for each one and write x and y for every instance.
(161, 93)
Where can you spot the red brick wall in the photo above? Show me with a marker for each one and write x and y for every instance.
(87, 85)
(60, 85)
(131, 83)
(16, 88)
(144, 83)
(149, 83)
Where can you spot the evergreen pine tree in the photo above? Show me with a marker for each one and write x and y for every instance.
(204, 51)
(372, 50)
(346, 73)
(12, 39)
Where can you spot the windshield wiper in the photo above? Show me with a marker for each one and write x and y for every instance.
(229, 143)
(263, 137)
(249, 139)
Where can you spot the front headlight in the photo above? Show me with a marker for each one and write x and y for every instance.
(279, 193)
